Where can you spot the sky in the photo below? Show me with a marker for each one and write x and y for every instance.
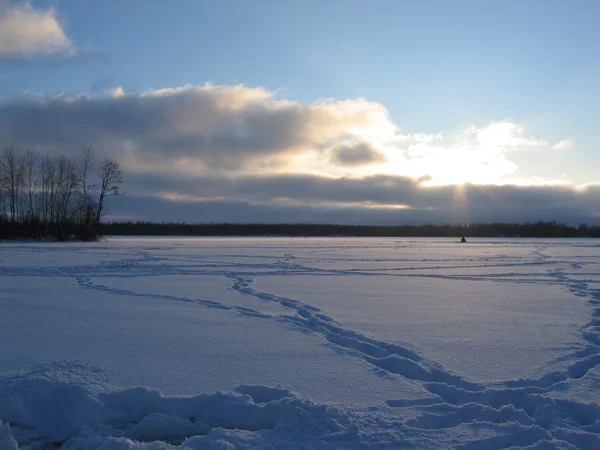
(339, 111)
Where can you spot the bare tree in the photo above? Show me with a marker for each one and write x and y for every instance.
(48, 181)
(11, 177)
(110, 176)
(31, 183)
(67, 182)
(86, 207)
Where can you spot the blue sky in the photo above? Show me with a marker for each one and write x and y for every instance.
(439, 68)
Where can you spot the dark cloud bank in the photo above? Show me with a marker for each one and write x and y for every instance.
(371, 200)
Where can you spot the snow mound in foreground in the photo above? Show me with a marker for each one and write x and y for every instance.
(44, 412)
(39, 413)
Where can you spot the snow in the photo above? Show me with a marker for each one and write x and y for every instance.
(451, 321)
(201, 343)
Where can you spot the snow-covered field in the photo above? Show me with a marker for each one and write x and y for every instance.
(224, 343)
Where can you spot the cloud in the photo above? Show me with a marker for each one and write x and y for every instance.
(384, 191)
(211, 127)
(381, 200)
(477, 155)
(354, 154)
(565, 144)
(26, 32)
(236, 153)
(303, 188)
(506, 135)
(239, 129)
(460, 163)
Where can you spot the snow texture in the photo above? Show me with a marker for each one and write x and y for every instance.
(337, 343)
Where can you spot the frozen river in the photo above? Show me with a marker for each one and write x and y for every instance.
(300, 343)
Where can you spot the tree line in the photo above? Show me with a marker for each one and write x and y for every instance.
(49, 196)
(528, 230)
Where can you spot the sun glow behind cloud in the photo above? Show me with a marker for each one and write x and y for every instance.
(473, 155)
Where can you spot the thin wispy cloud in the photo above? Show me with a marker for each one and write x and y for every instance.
(565, 144)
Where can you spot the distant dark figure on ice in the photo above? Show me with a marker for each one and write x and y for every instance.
(462, 239)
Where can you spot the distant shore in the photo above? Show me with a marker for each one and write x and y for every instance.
(299, 230)
(490, 230)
